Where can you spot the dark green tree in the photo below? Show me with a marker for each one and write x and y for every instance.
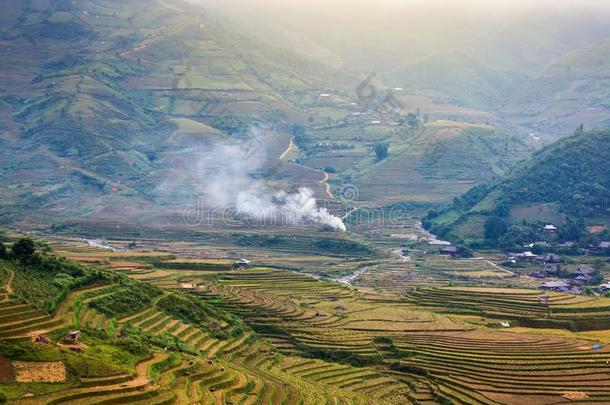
(3, 251)
(465, 251)
(495, 227)
(24, 250)
(381, 151)
(572, 230)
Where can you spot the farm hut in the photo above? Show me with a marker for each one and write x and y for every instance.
(581, 280)
(549, 229)
(449, 250)
(603, 288)
(42, 339)
(243, 264)
(549, 258)
(72, 337)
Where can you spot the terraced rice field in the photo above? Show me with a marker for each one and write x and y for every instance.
(389, 340)
(458, 361)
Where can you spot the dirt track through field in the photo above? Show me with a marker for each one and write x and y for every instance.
(324, 181)
(9, 286)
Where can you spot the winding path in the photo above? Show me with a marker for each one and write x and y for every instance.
(288, 149)
(9, 286)
(327, 188)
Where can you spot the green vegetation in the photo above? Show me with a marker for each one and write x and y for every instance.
(196, 312)
(45, 281)
(329, 246)
(571, 174)
(127, 296)
(381, 151)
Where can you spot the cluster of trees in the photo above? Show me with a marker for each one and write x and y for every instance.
(232, 125)
(24, 251)
(501, 232)
(573, 174)
(42, 280)
(299, 137)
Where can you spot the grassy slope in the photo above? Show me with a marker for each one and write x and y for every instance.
(572, 174)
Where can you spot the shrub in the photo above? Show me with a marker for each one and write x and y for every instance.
(383, 340)
(338, 356)
(381, 151)
(405, 368)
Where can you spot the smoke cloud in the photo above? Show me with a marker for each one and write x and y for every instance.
(227, 181)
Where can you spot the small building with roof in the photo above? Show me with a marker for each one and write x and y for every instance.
(243, 264)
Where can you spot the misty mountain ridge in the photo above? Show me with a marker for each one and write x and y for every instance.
(471, 56)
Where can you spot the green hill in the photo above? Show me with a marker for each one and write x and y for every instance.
(97, 98)
(566, 184)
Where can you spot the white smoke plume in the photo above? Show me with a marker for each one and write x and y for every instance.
(226, 180)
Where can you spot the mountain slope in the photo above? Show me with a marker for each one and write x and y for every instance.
(567, 93)
(96, 97)
(563, 182)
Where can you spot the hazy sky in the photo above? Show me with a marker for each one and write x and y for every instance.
(375, 34)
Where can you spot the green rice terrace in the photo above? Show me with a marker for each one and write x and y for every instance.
(154, 327)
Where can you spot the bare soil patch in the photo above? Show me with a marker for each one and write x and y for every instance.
(6, 370)
(46, 372)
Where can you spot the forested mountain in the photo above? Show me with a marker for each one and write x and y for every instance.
(565, 184)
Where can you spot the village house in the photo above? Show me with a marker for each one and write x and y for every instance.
(560, 285)
(580, 280)
(549, 229)
(376, 234)
(584, 275)
(549, 271)
(449, 250)
(548, 258)
(527, 257)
